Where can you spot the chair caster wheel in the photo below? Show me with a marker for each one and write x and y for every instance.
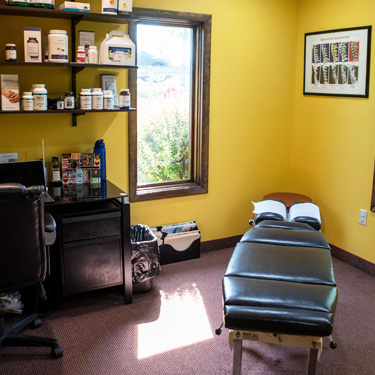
(56, 352)
(333, 345)
(218, 331)
(37, 323)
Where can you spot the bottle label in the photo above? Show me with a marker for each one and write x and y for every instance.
(93, 57)
(81, 56)
(69, 102)
(108, 103)
(124, 101)
(97, 102)
(27, 104)
(40, 102)
(58, 48)
(60, 104)
(10, 54)
(85, 102)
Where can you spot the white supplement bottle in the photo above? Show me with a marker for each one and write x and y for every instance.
(108, 100)
(85, 99)
(81, 54)
(125, 98)
(40, 97)
(58, 46)
(27, 101)
(93, 55)
(97, 99)
(69, 100)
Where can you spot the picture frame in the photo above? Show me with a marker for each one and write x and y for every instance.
(337, 62)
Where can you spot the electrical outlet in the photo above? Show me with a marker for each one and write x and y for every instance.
(363, 217)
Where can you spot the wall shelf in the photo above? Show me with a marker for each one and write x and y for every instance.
(75, 18)
(67, 65)
(69, 15)
(76, 112)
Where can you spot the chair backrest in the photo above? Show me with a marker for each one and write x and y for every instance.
(22, 248)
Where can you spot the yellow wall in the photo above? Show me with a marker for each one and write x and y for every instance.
(251, 118)
(265, 135)
(334, 138)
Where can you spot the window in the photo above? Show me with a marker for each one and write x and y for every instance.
(168, 134)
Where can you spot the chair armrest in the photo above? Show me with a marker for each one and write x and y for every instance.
(49, 229)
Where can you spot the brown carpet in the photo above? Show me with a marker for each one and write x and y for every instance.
(170, 330)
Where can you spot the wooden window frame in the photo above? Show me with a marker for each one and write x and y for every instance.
(201, 106)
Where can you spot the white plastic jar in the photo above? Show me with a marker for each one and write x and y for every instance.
(108, 100)
(81, 54)
(97, 99)
(27, 101)
(58, 46)
(40, 97)
(85, 99)
(93, 55)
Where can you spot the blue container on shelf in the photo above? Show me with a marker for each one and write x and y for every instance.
(100, 149)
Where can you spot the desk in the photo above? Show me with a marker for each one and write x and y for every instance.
(92, 248)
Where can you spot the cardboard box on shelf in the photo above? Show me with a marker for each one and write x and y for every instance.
(117, 49)
(76, 7)
(32, 44)
(125, 6)
(10, 92)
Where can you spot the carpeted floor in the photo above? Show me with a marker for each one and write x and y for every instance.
(170, 330)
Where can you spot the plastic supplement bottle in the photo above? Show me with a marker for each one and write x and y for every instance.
(125, 98)
(40, 97)
(81, 54)
(99, 148)
(93, 55)
(69, 100)
(97, 99)
(10, 52)
(85, 99)
(27, 101)
(58, 46)
(60, 103)
(109, 102)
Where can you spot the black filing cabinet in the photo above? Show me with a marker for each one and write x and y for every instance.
(92, 250)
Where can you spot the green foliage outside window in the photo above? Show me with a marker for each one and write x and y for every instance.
(163, 138)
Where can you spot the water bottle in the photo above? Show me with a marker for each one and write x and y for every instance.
(100, 149)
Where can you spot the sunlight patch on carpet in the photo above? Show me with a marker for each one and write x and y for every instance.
(183, 321)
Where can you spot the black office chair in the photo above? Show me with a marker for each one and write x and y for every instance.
(25, 234)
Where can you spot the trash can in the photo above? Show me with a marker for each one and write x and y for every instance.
(145, 257)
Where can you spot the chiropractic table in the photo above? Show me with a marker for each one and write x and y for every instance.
(279, 288)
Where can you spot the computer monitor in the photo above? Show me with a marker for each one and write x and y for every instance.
(27, 173)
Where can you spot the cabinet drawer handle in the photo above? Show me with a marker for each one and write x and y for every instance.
(79, 219)
(92, 241)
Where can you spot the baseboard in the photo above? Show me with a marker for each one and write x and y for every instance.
(222, 243)
(353, 260)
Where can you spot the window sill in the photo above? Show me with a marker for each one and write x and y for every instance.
(169, 191)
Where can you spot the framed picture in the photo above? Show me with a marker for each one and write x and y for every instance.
(337, 62)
